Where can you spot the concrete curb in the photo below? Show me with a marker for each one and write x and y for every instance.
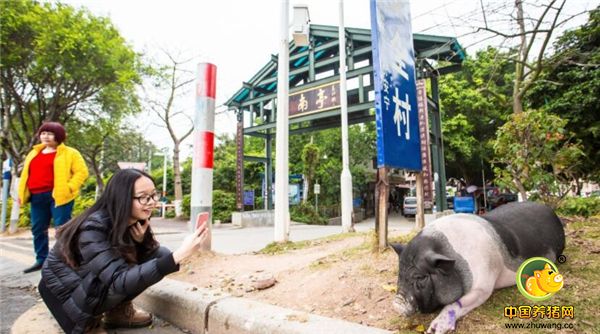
(203, 311)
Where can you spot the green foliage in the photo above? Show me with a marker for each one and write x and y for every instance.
(83, 203)
(223, 205)
(571, 88)
(77, 65)
(187, 205)
(170, 214)
(310, 161)
(306, 213)
(224, 164)
(534, 153)
(474, 103)
(25, 216)
(579, 206)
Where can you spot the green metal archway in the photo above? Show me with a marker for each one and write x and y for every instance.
(315, 68)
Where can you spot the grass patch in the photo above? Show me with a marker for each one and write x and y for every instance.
(276, 248)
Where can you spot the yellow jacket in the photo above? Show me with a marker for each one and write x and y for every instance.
(70, 172)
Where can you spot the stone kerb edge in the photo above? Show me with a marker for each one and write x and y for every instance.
(186, 307)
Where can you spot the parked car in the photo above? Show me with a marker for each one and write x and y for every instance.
(410, 206)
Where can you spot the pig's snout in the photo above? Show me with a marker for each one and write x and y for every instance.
(558, 278)
(403, 306)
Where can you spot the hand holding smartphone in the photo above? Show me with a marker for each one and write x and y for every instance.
(201, 221)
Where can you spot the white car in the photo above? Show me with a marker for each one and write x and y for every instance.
(410, 206)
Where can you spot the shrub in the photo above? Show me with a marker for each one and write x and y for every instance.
(187, 205)
(305, 213)
(223, 204)
(83, 203)
(579, 206)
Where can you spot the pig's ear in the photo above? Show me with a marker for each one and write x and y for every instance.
(439, 261)
(397, 248)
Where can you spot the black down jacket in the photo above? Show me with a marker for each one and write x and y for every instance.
(104, 278)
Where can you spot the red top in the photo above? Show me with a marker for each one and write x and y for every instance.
(41, 173)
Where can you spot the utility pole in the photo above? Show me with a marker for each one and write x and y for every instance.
(346, 177)
(282, 203)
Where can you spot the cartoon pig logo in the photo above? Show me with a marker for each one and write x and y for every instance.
(538, 279)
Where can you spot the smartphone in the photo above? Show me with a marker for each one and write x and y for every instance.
(201, 220)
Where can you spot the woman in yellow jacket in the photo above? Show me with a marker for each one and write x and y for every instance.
(51, 178)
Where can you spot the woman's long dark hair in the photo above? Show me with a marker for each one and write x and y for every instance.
(116, 202)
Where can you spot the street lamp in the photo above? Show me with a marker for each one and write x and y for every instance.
(346, 176)
(282, 201)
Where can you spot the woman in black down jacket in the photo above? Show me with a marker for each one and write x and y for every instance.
(107, 256)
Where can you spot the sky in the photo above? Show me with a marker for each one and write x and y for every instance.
(239, 36)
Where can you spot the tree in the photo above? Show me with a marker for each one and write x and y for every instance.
(105, 142)
(172, 79)
(310, 160)
(57, 63)
(534, 30)
(534, 153)
(474, 103)
(570, 88)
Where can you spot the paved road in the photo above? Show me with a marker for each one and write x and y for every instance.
(18, 292)
(228, 239)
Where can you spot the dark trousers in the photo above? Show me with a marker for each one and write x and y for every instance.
(43, 210)
(56, 308)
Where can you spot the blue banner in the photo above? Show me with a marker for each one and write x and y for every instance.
(249, 197)
(396, 113)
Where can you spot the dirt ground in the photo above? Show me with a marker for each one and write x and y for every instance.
(339, 278)
(343, 278)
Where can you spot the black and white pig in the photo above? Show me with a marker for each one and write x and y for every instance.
(457, 261)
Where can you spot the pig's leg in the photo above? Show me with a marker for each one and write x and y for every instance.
(446, 320)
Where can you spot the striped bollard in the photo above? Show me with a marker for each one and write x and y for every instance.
(202, 163)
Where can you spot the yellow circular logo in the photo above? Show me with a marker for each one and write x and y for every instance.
(538, 279)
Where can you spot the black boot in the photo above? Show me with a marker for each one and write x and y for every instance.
(35, 267)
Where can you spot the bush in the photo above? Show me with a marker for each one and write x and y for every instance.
(170, 214)
(223, 205)
(187, 205)
(579, 206)
(81, 204)
(306, 213)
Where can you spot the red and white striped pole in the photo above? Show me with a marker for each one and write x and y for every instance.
(204, 134)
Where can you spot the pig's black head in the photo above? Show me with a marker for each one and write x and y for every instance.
(427, 277)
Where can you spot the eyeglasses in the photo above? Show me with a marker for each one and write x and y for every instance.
(145, 199)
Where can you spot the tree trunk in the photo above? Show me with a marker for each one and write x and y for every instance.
(177, 173)
(521, 59)
(99, 180)
(14, 193)
(521, 188)
(177, 181)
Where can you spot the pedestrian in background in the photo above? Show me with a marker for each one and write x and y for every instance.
(108, 255)
(52, 175)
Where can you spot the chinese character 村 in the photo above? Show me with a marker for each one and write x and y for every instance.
(401, 114)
